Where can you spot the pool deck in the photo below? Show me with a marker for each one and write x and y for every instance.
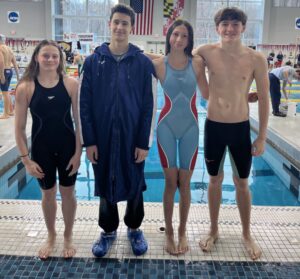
(283, 133)
(276, 230)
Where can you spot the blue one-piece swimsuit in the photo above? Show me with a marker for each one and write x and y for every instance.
(178, 120)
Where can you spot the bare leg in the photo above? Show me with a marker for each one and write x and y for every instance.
(6, 105)
(49, 207)
(184, 207)
(11, 106)
(69, 205)
(214, 202)
(243, 198)
(171, 178)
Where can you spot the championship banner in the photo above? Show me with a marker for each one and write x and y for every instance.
(173, 9)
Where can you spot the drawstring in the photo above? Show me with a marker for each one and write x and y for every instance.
(128, 69)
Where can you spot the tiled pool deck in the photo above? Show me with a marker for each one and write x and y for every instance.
(276, 229)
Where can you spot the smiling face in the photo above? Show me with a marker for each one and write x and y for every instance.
(48, 58)
(179, 38)
(230, 30)
(120, 27)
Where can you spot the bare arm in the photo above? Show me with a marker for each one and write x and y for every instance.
(23, 95)
(72, 88)
(199, 51)
(21, 108)
(159, 67)
(195, 51)
(2, 77)
(199, 68)
(14, 62)
(153, 56)
(284, 84)
(262, 84)
(75, 60)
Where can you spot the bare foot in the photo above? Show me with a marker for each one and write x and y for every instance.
(170, 246)
(208, 242)
(252, 248)
(47, 248)
(183, 245)
(69, 250)
(11, 114)
(4, 116)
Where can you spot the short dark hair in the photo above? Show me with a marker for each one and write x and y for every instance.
(230, 13)
(288, 63)
(123, 9)
(178, 22)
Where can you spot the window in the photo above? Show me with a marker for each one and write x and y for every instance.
(205, 31)
(286, 3)
(82, 16)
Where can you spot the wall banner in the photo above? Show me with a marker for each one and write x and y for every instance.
(13, 17)
(297, 23)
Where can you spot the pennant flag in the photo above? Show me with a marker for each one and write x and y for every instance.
(168, 8)
(144, 19)
(173, 9)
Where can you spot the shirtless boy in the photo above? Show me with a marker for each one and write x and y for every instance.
(231, 68)
(8, 59)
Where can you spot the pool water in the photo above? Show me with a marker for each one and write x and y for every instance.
(266, 187)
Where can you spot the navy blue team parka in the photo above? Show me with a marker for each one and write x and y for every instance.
(116, 109)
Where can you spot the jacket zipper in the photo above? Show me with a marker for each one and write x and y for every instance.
(117, 134)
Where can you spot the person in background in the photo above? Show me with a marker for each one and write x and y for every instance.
(8, 59)
(270, 60)
(298, 60)
(78, 60)
(50, 95)
(232, 67)
(117, 117)
(288, 63)
(177, 129)
(2, 76)
(285, 74)
(279, 58)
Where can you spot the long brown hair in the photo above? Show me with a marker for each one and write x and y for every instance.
(33, 68)
(189, 47)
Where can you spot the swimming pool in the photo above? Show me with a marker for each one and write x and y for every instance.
(265, 185)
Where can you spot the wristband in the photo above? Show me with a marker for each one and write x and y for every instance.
(22, 156)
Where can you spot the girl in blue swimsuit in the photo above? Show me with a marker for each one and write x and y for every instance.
(179, 73)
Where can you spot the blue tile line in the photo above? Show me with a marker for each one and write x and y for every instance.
(54, 267)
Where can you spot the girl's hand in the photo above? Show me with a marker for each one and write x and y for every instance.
(74, 164)
(34, 169)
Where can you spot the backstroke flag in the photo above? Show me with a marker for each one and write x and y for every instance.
(173, 9)
(143, 16)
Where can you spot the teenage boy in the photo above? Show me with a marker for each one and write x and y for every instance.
(6, 73)
(232, 67)
(116, 111)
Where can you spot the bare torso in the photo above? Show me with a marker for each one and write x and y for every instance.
(7, 55)
(230, 77)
